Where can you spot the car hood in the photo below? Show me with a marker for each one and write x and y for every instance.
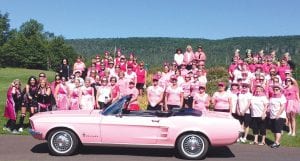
(63, 113)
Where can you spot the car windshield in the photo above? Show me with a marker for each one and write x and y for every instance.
(116, 107)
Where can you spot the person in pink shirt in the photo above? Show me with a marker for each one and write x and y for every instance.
(141, 74)
(291, 93)
(57, 81)
(123, 64)
(155, 95)
(115, 90)
(122, 83)
(61, 95)
(173, 95)
(129, 62)
(12, 105)
(201, 99)
(188, 57)
(222, 99)
(132, 90)
(183, 70)
(75, 95)
(79, 65)
(200, 54)
(186, 87)
(282, 68)
(232, 67)
(87, 99)
(195, 84)
(97, 63)
(118, 57)
(130, 74)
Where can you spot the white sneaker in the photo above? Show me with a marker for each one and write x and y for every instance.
(243, 140)
(290, 133)
(20, 129)
(15, 132)
(6, 129)
(238, 140)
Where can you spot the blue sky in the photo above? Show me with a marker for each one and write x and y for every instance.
(211, 19)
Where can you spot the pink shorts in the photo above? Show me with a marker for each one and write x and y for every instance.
(134, 107)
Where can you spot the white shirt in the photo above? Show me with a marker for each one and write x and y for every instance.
(234, 99)
(104, 93)
(244, 99)
(274, 106)
(154, 94)
(178, 58)
(257, 105)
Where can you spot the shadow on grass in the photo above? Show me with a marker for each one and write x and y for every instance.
(213, 152)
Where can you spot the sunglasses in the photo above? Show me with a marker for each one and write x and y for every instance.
(276, 89)
(41, 76)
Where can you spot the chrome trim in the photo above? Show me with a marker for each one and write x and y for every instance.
(33, 132)
(61, 142)
(192, 145)
(130, 145)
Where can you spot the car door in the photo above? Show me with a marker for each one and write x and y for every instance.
(129, 129)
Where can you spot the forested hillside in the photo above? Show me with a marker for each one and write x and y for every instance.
(155, 51)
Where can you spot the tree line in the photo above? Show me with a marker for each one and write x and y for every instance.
(31, 47)
(156, 51)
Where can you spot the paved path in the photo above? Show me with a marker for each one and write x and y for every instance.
(25, 148)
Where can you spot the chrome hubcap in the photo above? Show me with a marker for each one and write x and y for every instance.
(193, 145)
(61, 142)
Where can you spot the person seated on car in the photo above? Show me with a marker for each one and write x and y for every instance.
(132, 90)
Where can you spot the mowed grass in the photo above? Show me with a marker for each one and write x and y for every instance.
(7, 75)
(214, 75)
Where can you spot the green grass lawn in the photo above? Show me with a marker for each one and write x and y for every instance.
(7, 75)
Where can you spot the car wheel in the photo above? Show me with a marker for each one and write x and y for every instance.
(192, 146)
(62, 142)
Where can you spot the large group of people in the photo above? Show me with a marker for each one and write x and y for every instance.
(260, 89)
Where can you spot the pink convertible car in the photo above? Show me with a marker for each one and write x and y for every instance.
(190, 132)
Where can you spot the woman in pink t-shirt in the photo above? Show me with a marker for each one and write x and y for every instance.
(133, 103)
(79, 65)
(201, 99)
(155, 95)
(174, 95)
(115, 90)
(222, 99)
(122, 83)
(282, 68)
(291, 93)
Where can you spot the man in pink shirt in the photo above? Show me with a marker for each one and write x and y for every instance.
(188, 57)
(200, 55)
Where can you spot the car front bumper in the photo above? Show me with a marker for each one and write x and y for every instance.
(36, 134)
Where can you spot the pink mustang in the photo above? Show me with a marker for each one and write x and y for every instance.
(189, 131)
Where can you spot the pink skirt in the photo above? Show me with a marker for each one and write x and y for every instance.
(292, 106)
